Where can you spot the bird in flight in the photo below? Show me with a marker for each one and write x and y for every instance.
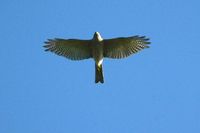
(97, 48)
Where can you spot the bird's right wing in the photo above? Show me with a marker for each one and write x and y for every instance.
(73, 49)
(125, 46)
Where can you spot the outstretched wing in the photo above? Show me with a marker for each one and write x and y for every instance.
(73, 49)
(124, 46)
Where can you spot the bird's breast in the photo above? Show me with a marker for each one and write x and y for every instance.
(97, 51)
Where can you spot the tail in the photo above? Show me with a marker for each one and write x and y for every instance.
(98, 73)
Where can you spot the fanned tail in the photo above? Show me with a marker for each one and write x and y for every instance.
(99, 73)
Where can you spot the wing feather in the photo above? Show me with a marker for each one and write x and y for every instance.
(124, 46)
(73, 49)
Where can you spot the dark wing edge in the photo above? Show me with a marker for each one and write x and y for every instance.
(122, 47)
(73, 49)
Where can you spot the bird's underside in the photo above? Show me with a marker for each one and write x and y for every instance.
(97, 48)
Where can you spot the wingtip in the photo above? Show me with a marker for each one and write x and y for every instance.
(146, 39)
(46, 42)
(47, 45)
(148, 42)
(46, 50)
(143, 37)
(147, 46)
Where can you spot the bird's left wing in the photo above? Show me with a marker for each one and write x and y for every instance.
(73, 49)
(124, 46)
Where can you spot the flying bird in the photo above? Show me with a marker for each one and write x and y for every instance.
(97, 48)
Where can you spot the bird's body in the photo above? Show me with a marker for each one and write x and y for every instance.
(97, 54)
(97, 48)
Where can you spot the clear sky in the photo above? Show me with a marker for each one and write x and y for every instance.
(154, 91)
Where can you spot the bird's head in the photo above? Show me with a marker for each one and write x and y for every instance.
(97, 36)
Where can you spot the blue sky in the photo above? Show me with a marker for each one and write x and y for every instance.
(154, 91)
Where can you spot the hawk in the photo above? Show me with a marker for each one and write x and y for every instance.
(97, 48)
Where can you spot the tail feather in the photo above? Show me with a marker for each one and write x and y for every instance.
(99, 73)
